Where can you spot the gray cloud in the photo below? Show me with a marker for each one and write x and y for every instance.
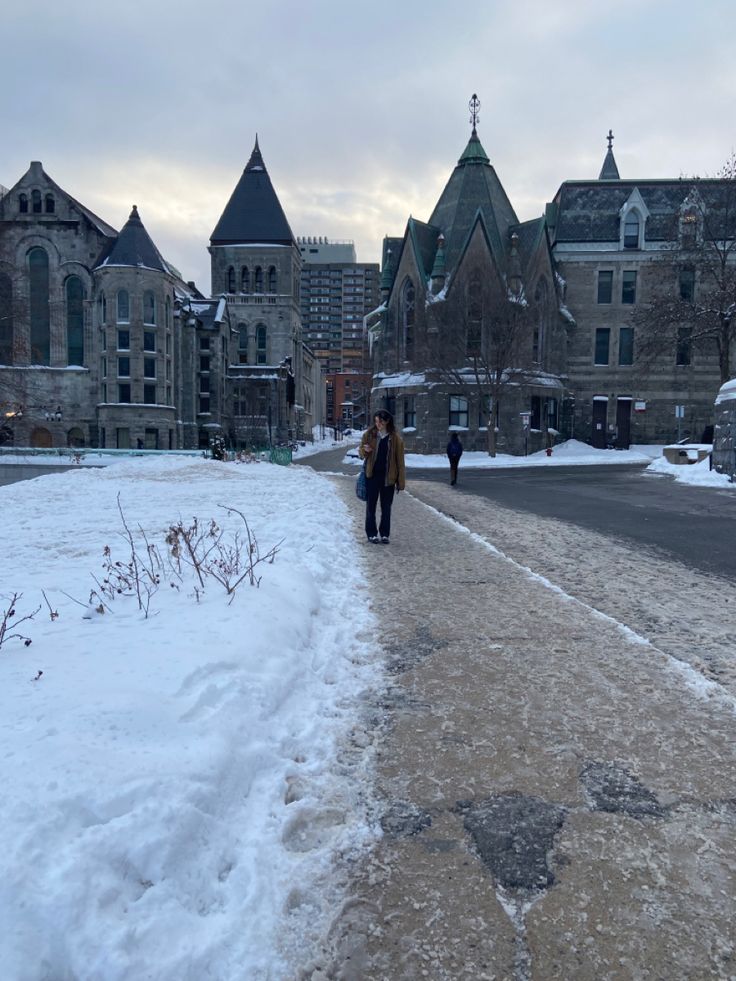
(361, 110)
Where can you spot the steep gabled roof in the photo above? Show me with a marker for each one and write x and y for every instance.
(473, 186)
(253, 213)
(609, 170)
(134, 247)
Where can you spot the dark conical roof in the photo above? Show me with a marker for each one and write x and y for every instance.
(254, 212)
(609, 170)
(473, 186)
(134, 247)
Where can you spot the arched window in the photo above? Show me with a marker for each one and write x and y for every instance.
(231, 279)
(242, 344)
(23, 204)
(258, 285)
(75, 437)
(50, 204)
(123, 314)
(473, 339)
(689, 228)
(406, 318)
(539, 337)
(36, 202)
(149, 308)
(272, 279)
(245, 280)
(102, 309)
(261, 349)
(6, 319)
(74, 320)
(631, 229)
(38, 279)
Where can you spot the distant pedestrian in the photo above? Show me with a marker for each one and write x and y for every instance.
(383, 451)
(454, 452)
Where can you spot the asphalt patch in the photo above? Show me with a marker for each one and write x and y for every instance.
(514, 835)
(404, 819)
(614, 789)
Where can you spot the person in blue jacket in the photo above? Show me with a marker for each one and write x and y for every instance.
(454, 452)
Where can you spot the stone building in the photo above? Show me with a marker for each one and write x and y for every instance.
(588, 275)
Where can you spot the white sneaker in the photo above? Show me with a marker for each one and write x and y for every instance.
(384, 539)
(374, 539)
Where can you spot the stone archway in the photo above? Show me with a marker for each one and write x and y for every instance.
(75, 438)
(7, 436)
(41, 438)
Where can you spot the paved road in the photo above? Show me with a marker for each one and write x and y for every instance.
(694, 525)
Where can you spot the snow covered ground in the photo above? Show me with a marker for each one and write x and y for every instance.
(173, 795)
(696, 474)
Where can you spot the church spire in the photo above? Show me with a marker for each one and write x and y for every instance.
(474, 152)
(609, 170)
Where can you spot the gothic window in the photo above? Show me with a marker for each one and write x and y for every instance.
(123, 313)
(539, 338)
(272, 279)
(631, 230)
(245, 280)
(149, 308)
(687, 284)
(475, 318)
(38, 269)
(23, 204)
(6, 319)
(242, 344)
(102, 309)
(261, 349)
(231, 279)
(258, 285)
(74, 320)
(407, 302)
(36, 202)
(50, 204)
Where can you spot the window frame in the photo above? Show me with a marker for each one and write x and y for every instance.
(600, 334)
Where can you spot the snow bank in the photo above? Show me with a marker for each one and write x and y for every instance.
(171, 799)
(697, 474)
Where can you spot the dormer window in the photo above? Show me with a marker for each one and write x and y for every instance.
(689, 229)
(631, 230)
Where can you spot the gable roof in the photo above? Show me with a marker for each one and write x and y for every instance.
(473, 186)
(253, 213)
(134, 247)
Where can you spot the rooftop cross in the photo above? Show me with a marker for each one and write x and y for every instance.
(610, 139)
(474, 106)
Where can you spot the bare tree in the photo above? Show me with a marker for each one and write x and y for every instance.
(484, 341)
(693, 284)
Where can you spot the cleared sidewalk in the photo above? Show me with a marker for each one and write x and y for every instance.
(558, 801)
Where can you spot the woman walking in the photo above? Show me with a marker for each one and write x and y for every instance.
(383, 451)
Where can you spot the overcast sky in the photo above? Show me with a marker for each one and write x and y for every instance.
(360, 108)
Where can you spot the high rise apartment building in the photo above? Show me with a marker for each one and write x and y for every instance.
(336, 293)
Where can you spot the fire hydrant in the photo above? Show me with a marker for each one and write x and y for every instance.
(549, 451)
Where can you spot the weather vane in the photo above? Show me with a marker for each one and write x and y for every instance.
(474, 106)
(610, 139)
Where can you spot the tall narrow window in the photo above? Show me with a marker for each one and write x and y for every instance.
(605, 286)
(101, 310)
(167, 312)
(149, 308)
(626, 346)
(50, 204)
(628, 286)
(406, 318)
(242, 344)
(38, 269)
(231, 279)
(6, 319)
(258, 285)
(23, 204)
(261, 344)
(535, 421)
(75, 320)
(687, 285)
(684, 345)
(475, 318)
(459, 411)
(410, 412)
(244, 280)
(36, 202)
(123, 314)
(602, 345)
(149, 367)
(272, 279)
(631, 230)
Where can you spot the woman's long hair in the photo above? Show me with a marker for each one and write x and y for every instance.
(387, 418)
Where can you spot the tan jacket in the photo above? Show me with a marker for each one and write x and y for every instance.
(396, 471)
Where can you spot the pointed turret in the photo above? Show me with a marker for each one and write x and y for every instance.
(609, 170)
(254, 213)
(438, 269)
(134, 247)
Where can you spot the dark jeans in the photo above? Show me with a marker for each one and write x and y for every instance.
(453, 470)
(377, 489)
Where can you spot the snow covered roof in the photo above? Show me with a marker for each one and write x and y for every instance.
(726, 392)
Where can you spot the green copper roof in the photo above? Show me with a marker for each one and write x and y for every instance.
(474, 152)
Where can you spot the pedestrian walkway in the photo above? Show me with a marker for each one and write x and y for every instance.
(558, 801)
